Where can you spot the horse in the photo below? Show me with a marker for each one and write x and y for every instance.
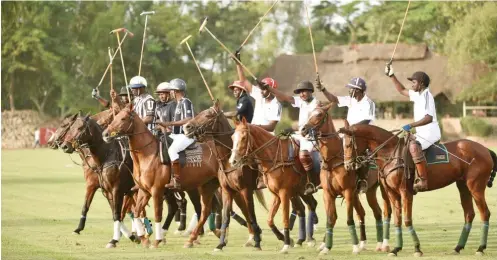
(112, 168)
(282, 172)
(151, 175)
(471, 178)
(335, 181)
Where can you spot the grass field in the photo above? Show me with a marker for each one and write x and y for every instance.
(42, 195)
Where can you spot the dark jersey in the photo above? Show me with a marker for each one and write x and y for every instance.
(244, 108)
(183, 109)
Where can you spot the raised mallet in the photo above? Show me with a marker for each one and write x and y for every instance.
(262, 18)
(203, 27)
(116, 32)
(312, 40)
(185, 41)
(400, 32)
(144, 33)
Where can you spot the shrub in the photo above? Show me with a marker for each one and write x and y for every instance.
(476, 126)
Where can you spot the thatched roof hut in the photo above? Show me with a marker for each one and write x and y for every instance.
(338, 64)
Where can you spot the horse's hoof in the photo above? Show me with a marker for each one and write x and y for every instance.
(355, 249)
(392, 254)
(324, 251)
(257, 248)
(297, 245)
(188, 245)
(311, 243)
(156, 244)
(418, 254)
(385, 249)
(454, 253)
(284, 250)
(249, 243)
(178, 232)
(145, 242)
(292, 243)
(218, 250)
(110, 245)
(362, 246)
(479, 253)
(196, 242)
(378, 247)
(321, 247)
(76, 232)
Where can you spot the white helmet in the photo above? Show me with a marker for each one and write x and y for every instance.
(138, 82)
(163, 87)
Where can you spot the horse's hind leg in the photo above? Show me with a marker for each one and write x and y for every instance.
(254, 229)
(272, 212)
(469, 214)
(331, 213)
(350, 198)
(397, 206)
(300, 209)
(285, 201)
(407, 198)
(116, 203)
(206, 194)
(157, 197)
(362, 224)
(139, 210)
(312, 218)
(373, 204)
(478, 192)
(387, 215)
(91, 188)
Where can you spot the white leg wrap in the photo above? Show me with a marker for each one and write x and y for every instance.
(133, 226)
(193, 223)
(117, 230)
(158, 231)
(385, 243)
(362, 245)
(355, 249)
(140, 229)
(125, 230)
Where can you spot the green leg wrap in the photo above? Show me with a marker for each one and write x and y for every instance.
(329, 237)
(484, 233)
(386, 228)
(353, 234)
(148, 226)
(379, 231)
(131, 215)
(414, 236)
(398, 236)
(212, 221)
(464, 235)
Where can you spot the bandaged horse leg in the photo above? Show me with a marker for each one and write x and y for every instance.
(421, 165)
(306, 160)
(300, 210)
(192, 224)
(239, 219)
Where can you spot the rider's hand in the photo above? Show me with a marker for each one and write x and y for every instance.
(319, 84)
(95, 93)
(287, 131)
(237, 55)
(389, 70)
(407, 128)
(113, 93)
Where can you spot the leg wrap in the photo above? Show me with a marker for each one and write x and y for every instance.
(484, 234)
(416, 152)
(398, 236)
(464, 235)
(414, 236)
(353, 235)
(306, 160)
(379, 231)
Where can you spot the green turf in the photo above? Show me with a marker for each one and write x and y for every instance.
(42, 195)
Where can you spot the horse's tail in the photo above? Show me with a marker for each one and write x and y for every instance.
(494, 169)
(260, 197)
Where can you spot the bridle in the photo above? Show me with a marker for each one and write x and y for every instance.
(203, 129)
(127, 133)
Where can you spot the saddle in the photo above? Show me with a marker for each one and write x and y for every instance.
(192, 155)
(293, 153)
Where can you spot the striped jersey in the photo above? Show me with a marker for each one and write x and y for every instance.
(184, 109)
(144, 105)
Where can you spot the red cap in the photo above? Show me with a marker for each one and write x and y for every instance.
(271, 82)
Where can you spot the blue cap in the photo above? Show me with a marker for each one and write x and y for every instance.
(357, 83)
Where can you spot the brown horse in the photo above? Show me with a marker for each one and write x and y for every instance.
(335, 181)
(282, 172)
(212, 125)
(471, 179)
(151, 175)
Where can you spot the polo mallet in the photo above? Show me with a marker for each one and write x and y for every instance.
(144, 33)
(400, 32)
(185, 41)
(121, 53)
(203, 27)
(115, 53)
(312, 40)
(111, 83)
(262, 18)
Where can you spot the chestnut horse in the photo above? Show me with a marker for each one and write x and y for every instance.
(283, 174)
(335, 181)
(471, 179)
(151, 175)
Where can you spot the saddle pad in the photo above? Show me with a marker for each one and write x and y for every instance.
(435, 155)
(191, 156)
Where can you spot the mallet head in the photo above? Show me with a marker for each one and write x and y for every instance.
(202, 26)
(148, 13)
(186, 39)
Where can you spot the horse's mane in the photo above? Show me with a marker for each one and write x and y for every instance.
(371, 132)
(258, 130)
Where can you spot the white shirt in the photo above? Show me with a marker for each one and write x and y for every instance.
(358, 110)
(424, 104)
(306, 109)
(265, 112)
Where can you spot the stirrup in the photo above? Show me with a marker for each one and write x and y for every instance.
(359, 185)
(309, 186)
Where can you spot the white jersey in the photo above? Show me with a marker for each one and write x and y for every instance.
(424, 104)
(358, 110)
(305, 109)
(265, 112)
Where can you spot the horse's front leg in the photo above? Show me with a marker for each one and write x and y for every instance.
(157, 197)
(141, 201)
(116, 207)
(272, 212)
(373, 204)
(227, 208)
(206, 194)
(395, 199)
(331, 217)
(359, 209)
(172, 210)
(350, 198)
(387, 215)
(407, 198)
(254, 229)
(91, 188)
(300, 210)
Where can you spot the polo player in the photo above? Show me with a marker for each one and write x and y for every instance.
(143, 102)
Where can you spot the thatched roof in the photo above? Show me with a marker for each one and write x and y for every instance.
(338, 64)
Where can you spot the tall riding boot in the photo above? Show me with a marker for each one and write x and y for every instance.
(362, 179)
(260, 182)
(421, 166)
(306, 160)
(174, 184)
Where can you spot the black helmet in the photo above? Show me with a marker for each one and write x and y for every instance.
(304, 85)
(420, 77)
(123, 92)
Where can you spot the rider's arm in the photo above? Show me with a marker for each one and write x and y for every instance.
(428, 103)
(332, 98)
(282, 97)
(424, 121)
(400, 88)
(242, 78)
(270, 127)
(103, 101)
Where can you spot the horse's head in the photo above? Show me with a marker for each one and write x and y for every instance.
(317, 121)
(122, 124)
(205, 121)
(241, 143)
(56, 139)
(78, 134)
(352, 147)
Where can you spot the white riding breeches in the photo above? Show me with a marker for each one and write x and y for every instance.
(426, 141)
(179, 144)
(305, 144)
